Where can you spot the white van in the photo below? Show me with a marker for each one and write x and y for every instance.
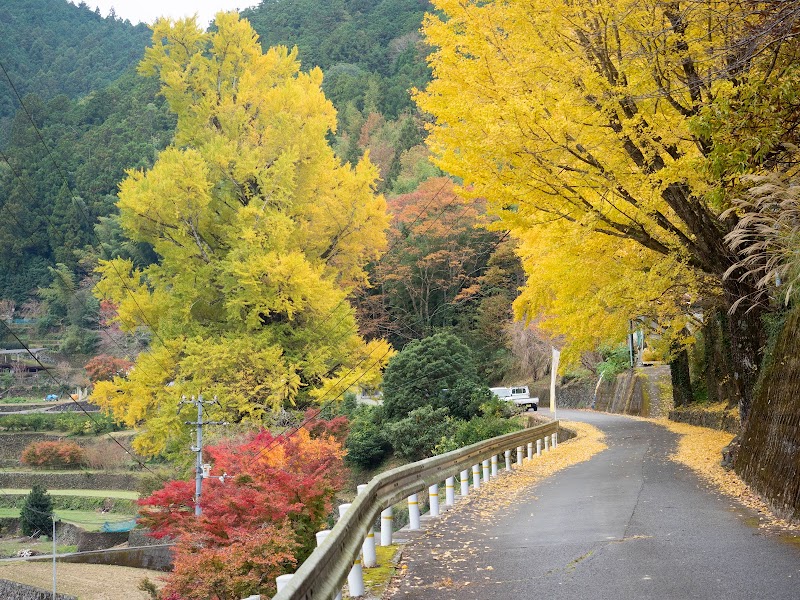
(519, 395)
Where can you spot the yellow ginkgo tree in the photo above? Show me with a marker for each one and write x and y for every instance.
(577, 121)
(261, 234)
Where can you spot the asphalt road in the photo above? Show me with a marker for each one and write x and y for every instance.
(627, 524)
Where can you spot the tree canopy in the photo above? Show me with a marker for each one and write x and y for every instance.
(585, 119)
(261, 234)
(53, 47)
(437, 371)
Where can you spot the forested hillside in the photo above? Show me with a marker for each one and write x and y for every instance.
(370, 50)
(64, 58)
(52, 47)
(59, 177)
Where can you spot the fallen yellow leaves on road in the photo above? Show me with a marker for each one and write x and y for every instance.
(506, 491)
(493, 499)
(700, 449)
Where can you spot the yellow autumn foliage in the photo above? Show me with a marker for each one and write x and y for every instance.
(573, 120)
(261, 235)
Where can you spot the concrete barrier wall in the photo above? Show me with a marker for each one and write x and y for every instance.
(11, 590)
(643, 391)
(100, 540)
(158, 558)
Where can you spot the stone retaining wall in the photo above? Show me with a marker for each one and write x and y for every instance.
(157, 558)
(76, 480)
(769, 456)
(11, 590)
(716, 416)
(574, 394)
(100, 540)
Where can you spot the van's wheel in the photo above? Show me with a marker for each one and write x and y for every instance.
(535, 408)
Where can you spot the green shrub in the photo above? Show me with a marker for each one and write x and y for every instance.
(416, 436)
(366, 444)
(476, 430)
(58, 454)
(73, 423)
(37, 513)
(436, 371)
(615, 361)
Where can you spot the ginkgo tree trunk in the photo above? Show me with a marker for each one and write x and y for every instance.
(261, 234)
(575, 120)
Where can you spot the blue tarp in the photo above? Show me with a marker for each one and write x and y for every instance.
(117, 526)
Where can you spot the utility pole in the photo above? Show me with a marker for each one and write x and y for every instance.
(198, 447)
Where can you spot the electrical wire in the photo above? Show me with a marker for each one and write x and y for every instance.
(142, 314)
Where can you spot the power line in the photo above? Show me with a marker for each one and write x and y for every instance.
(130, 292)
(78, 404)
(79, 206)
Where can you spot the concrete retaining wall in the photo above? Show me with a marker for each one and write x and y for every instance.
(158, 558)
(642, 391)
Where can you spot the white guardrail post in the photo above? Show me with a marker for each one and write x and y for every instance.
(485, 465)
(413, 512)
(450, 491)
(281, 581)
(368, 548)
(530, 450)
(355, 580)
(494, 465)
(321, 535)
(538, 447)
(338, 556)
(554, 443)
(387, 522)
(433, 499)
(546, 443)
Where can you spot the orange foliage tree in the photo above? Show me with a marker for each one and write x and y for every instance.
(258, 523)
(438, 251)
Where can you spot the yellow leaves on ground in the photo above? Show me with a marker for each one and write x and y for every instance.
(506, 490)
(700, 449)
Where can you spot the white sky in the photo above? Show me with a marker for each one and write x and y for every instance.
(147, 11)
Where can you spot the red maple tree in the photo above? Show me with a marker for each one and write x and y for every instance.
(258, 523)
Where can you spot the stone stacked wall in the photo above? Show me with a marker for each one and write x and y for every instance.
(157, 558)
(13, 443)
(76, 480)
(716, 416)
(768, 458)
(10, 590)
(575, 394)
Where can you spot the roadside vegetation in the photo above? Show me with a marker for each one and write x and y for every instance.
(285, 247)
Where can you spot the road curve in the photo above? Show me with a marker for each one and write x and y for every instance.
(627, 524)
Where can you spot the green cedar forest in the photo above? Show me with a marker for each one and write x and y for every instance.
(376, 186)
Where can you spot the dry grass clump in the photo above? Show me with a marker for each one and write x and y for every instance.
(700, 449)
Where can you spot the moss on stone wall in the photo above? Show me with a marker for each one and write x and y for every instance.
(768, 458)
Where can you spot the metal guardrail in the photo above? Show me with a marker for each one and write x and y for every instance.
(323, 573)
